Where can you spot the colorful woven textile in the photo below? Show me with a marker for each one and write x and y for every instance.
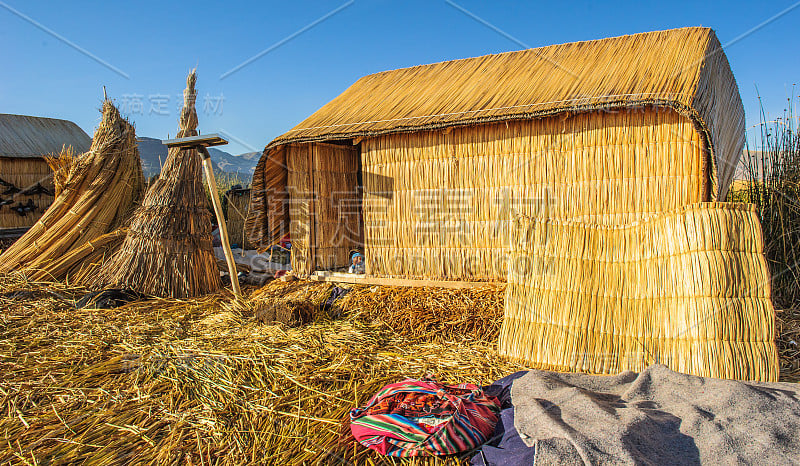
(424, 417)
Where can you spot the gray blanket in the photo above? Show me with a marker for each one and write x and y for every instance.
(656, 417)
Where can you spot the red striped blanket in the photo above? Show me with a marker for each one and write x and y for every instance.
(424, 417)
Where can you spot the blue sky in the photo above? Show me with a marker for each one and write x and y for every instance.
(156, 43)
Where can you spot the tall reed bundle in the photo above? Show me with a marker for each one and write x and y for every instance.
(81, 265)
(689, 288)
(98, 196)
(168, 251)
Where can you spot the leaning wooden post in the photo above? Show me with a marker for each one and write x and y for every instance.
(208, 170)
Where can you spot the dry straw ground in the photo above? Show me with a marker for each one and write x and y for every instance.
(204, 382)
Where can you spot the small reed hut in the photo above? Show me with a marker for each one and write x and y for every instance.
(423, 166)
(26, 185)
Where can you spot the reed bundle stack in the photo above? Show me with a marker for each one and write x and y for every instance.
(167, 251)
(97, 195)
(687, 288)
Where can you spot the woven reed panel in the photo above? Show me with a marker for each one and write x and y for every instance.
(337, 205)
(238, 206)
(24, 173)
(687, 288)
(299, 185)
(437, 204)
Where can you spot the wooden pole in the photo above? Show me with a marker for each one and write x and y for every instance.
(208, 169)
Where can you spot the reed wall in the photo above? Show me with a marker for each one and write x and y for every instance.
(237, 208)
(437, 204)
(688, 288)
(24, 173)
(268, 220)
(298, 163)
(325, 209)
(337, 205)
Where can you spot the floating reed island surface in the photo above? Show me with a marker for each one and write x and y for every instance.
(204, 381)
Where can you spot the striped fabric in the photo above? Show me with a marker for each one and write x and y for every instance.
(424, 417)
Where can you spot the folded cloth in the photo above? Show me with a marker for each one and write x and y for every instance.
(505, 446)
(424, 417)
(657, 416)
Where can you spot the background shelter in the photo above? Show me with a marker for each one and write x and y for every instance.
(26, 185)
(422, 166)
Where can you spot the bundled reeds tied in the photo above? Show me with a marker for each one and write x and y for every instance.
(98, 191)
(688, 288)
(167, 251)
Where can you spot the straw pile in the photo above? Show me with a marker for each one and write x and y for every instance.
(97, 196)
(168, 251)
(431, 313)
(203, 382)
(689, 289)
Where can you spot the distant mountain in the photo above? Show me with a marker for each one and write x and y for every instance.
(251, 156)
(153, 155)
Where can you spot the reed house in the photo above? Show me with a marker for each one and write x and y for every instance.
(26, 185)
(422, 168)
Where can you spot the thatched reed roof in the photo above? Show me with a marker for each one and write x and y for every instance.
(685, 69)
(28, 136)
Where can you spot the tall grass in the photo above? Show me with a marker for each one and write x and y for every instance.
(772, 183)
